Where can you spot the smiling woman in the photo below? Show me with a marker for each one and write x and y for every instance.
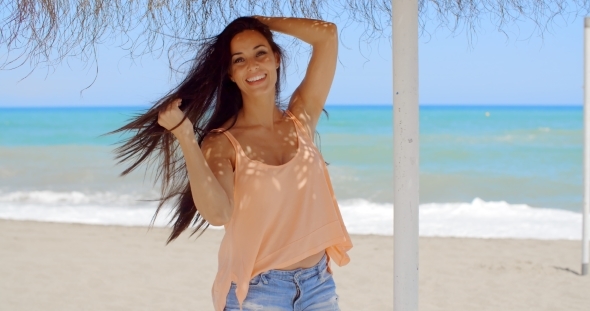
(252, 166)
(254, 64)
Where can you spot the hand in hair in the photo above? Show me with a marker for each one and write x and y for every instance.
(171, 118)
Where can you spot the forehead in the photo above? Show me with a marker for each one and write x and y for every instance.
(247, 40)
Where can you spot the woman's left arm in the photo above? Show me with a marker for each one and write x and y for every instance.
(309, 98)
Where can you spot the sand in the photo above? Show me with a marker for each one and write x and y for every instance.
(49, 266)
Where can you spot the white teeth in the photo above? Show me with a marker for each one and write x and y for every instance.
(254, 79)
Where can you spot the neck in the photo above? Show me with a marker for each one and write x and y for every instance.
(259, 110)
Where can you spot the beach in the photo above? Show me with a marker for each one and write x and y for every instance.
(59, 266)
(500, 222)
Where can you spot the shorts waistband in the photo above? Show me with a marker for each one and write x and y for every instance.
(300, 273)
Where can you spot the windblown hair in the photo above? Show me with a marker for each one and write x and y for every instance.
(209, 99)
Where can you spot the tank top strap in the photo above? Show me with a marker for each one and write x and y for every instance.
(298, 123)
(231, 138)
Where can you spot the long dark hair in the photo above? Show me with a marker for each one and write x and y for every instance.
(209, 99)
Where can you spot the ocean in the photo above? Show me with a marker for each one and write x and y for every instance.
(485, 172)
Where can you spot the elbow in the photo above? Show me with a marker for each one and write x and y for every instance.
(222, 217)
(332, 28)
(327, 34)
(331, 31)
(218, 221)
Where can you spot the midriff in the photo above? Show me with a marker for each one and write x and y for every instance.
(307, 262)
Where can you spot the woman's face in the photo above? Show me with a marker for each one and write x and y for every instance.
(253, 63)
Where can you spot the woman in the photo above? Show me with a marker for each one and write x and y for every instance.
(252, 167)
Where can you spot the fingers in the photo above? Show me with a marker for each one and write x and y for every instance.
(175, 103)
(171, 115)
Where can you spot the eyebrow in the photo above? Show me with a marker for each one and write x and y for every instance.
(252, 49)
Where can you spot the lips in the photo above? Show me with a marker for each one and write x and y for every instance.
(256, 78)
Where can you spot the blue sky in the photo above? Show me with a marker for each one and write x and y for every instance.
(521, 68)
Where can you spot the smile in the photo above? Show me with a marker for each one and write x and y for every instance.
(256, 78)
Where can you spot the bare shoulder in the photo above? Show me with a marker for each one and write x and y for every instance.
(308, 119)
(216, 146)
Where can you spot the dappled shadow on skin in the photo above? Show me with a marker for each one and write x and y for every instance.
(567, 270)
(284, 157)
(274, 149)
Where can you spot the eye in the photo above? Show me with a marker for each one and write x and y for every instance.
(237, 60)
(261, 53)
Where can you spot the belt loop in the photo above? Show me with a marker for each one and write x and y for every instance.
(263, 278)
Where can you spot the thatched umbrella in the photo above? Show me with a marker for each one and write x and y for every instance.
(45, 32)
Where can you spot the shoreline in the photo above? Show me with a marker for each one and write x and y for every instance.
(59, 266)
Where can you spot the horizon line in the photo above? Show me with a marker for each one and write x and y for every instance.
(330, 105)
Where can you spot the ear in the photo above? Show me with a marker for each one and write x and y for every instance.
(277, 60)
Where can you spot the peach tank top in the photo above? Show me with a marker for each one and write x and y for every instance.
(282, 215)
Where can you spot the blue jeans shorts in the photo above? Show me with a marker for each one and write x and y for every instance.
(310, 289)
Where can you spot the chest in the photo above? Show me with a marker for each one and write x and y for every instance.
(271, 148)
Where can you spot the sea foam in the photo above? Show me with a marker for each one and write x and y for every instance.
(476, 219)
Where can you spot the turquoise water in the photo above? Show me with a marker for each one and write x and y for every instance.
(61, 126)
(530, 155)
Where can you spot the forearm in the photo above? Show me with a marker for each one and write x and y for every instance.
(209, 196)
(311, 31)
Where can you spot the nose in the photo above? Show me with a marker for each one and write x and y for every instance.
(252, 65)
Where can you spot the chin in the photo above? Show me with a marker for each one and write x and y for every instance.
(258, 91)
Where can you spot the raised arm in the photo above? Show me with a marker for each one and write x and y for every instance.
(309, 98)
(210, 171)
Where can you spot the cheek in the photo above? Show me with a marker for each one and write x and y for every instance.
(269, 60)
(235, 71)
(270, 65)
(232, 69)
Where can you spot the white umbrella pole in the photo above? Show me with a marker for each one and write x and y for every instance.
(586, 209)
(405, 153)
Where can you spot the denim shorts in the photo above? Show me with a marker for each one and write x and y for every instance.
(309, 289)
